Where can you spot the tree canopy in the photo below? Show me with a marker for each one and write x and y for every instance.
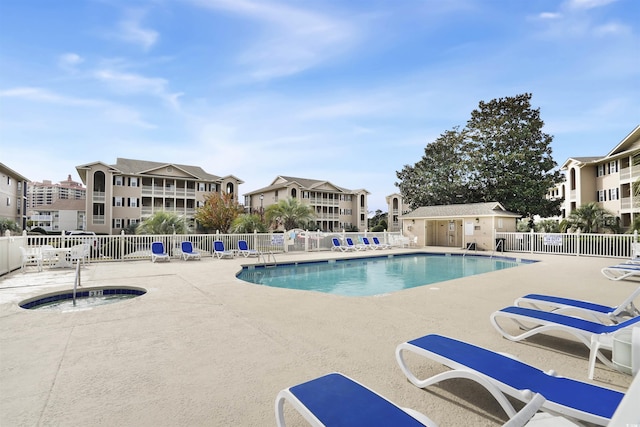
(290, 213)
(163, 222)
(501, 155)
(219, 212)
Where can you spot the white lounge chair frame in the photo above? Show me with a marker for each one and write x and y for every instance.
(162, 256)
(622, 271)
(592, 311)
(224, 253)
(192, 254)
(533, 322)
(501, 389)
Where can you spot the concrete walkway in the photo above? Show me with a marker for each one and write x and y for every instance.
(203, 348)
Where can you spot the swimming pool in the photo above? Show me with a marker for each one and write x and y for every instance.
(374, 275)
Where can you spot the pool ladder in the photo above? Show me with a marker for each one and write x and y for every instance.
(267, 257)
(76, 283)
(470, 245)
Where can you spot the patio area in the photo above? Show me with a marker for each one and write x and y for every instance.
(204, 348)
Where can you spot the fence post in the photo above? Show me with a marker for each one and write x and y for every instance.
(578, 231)
(531, 241)
(121, 245)
(306, 241)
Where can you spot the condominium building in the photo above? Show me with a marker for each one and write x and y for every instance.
(335, 207)
(46, 193)
(607, 180)
(59, 215)
(13, 196)
(396, 208)
(130, 191)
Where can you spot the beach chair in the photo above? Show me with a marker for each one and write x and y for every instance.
(368, 245)
(339, 247)
(337, 400)
(532, 322)
(621, 271)
(187, 251)
(354, 247)
(30, 256)
(504, 376)
(158, 252)
(243, 249)
(377, 243)
(592, 311)
(79, 253)
(220, 252)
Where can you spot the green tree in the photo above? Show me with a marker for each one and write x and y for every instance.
(247, 223)
(379, 219)
(163, 222)
(290, 213)
(219, 212)
(511, 156)
(501, 155)
(590, 218)
(441, 176)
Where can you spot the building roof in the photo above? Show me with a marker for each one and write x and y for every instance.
(282, 181)
(8, 170)
(147, 167)
(461, 210)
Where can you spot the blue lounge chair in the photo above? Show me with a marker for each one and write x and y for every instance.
(188, 252)
(220, 252)
(535, 322)
(353, 246)
(505, 376)
(158, 252)
(243, 249)
(368, 245)
(597, 312)
(622, 271)
(335, 400)
(376, 242)
(339, 247)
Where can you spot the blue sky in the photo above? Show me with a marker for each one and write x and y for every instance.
(348, 91)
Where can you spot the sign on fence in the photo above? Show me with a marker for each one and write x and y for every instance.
(277, 239)
(552, 240)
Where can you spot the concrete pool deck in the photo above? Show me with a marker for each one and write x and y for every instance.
(203, 348)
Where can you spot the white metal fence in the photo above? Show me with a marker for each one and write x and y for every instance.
(126, 247)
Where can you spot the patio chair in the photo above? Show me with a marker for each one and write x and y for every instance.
(533, 322)
(596, 312)
(79, 253)
(188, 252)
(350, 244)
(621, 271)
(377, 243)
(368, 245)
(220, 252)
(243, 249)
(158, 252)
(337, 400)
(31, 256)
(504, 376)
(339, 247)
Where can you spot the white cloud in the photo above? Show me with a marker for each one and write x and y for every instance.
(612, 28)
(69, 61)
(550, 15)
(293, 39)
(130, 83)
(130, 30)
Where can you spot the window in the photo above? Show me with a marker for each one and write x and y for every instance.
(600, 171)
(8, 201)
(201, 186)
(8, 180)
(602, 195)
(133, 182)
(133, 202)
(613, 166)
(614, 194)
(117, 180)
(117, 223)
(117, 201)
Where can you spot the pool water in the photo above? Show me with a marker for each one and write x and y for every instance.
(374, 275)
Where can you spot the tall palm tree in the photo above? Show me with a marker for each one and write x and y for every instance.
(590, 218)
(290, 213)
